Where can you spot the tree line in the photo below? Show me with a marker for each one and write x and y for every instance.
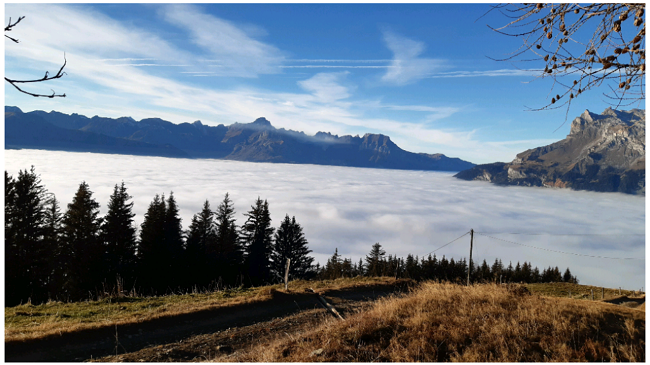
(77, 255)
(376, 263)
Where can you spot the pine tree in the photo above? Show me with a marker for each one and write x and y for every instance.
(535, 276)
(173, 244)
(332, 269)
(375, 260)
(360, 268)
(497, 270)
(84, 252)
(485, 274)
(27, 255)
(526, 272)
(12, 258)
(52, 238)
(200, 236)
(508, 277)
(567, 277)
(290, 243)
(444, 269)
(346, 268)
(118, 236)
(225, 254)
(411, 267)
(160, 250)
(516, 275)
(257, 238)
(151, 252)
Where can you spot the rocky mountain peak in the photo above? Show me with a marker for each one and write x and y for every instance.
(262, 122)
(609, 118)
(603, 152)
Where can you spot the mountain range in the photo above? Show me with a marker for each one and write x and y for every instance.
(258, 141)
(603, 152)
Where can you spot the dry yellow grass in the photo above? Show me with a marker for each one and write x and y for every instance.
(28, 321)
(447, 322)
(577, 291)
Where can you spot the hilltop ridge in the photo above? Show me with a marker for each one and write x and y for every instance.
(258, 141)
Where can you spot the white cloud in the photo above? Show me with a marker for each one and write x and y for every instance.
(352, 208)
(336, 61)
(240, 53)
(408, 67)
(337, 66)
(488, 73)
(326, 87)
(79, 30)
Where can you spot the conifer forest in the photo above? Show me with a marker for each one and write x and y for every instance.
(73, 253)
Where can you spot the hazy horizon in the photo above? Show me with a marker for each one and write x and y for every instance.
(352, 208)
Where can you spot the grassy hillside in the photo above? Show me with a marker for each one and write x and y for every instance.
(447, 322)
(577, 291)
(35, 321)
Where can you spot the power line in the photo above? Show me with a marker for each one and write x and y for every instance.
(446, 244)
(564, 234)
(567, 253)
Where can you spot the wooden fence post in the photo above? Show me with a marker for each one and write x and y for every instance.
(569, 293)
(286, 275)
(592, 294)
(603, 298)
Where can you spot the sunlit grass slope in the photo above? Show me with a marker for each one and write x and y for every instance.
(577, 291)
(447, 322)
(33, 321)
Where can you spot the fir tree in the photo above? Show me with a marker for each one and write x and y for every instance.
(257, 238)
(567, 277)
(151, 253)
(375, 260)
(516, 275)
(360, 268)
(52, 238)
(225, 254)
(118, 235)
(346, 268)
(26, 254)
(290, 243)
(83, 250)
(332, 269)
(200, 236)
(173, 244)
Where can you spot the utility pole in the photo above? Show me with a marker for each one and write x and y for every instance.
(471, 245)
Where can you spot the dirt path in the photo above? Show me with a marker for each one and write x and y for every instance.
(162, 339)
(625, 301)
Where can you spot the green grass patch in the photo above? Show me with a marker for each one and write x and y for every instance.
(34, 321)
(27, 319)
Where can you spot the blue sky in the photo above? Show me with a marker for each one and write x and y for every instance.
(419, 73)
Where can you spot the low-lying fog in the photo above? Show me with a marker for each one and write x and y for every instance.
(352, 208)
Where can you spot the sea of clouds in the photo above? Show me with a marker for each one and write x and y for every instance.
(352, 208)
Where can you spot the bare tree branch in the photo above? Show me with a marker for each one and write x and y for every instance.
(47, 76)
(9, 26)
(587, 45)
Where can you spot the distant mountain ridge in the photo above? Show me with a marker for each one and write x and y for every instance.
(258, 141)
(603, 152)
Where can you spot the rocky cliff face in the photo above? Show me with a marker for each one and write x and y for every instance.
(603, 152)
